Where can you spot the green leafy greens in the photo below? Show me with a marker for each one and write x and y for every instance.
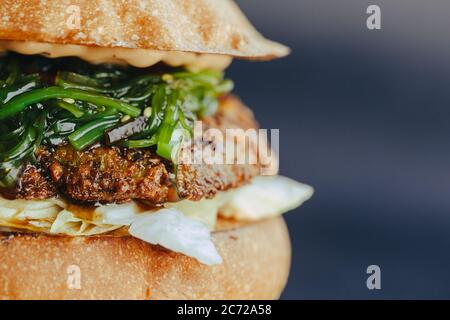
(56, 101)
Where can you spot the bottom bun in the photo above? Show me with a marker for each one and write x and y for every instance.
(37, 266)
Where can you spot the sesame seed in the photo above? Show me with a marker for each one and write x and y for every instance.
(148, 112)
(69, 100)
(125, 118)
(167, 77)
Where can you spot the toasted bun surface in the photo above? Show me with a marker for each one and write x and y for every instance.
(37, 266)
(201, 26)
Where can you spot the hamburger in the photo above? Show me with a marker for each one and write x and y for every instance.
(107, 191)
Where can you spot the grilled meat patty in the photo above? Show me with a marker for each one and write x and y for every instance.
(107, 174)
(110, 174)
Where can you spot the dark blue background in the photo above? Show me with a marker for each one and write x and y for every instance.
(364, 117)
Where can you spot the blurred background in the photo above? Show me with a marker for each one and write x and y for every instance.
(364, 117)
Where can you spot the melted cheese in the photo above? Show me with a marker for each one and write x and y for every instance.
(136, 57)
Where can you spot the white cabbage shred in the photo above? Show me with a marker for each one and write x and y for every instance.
(173, 230)
(265, 197)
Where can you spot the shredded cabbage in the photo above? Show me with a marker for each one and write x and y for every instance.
(67, 223)
(173, 230)
(265, 197)
(182, 226)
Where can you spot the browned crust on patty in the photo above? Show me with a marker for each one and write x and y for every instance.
(110, 174)
(35, 266)
(195, 181)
